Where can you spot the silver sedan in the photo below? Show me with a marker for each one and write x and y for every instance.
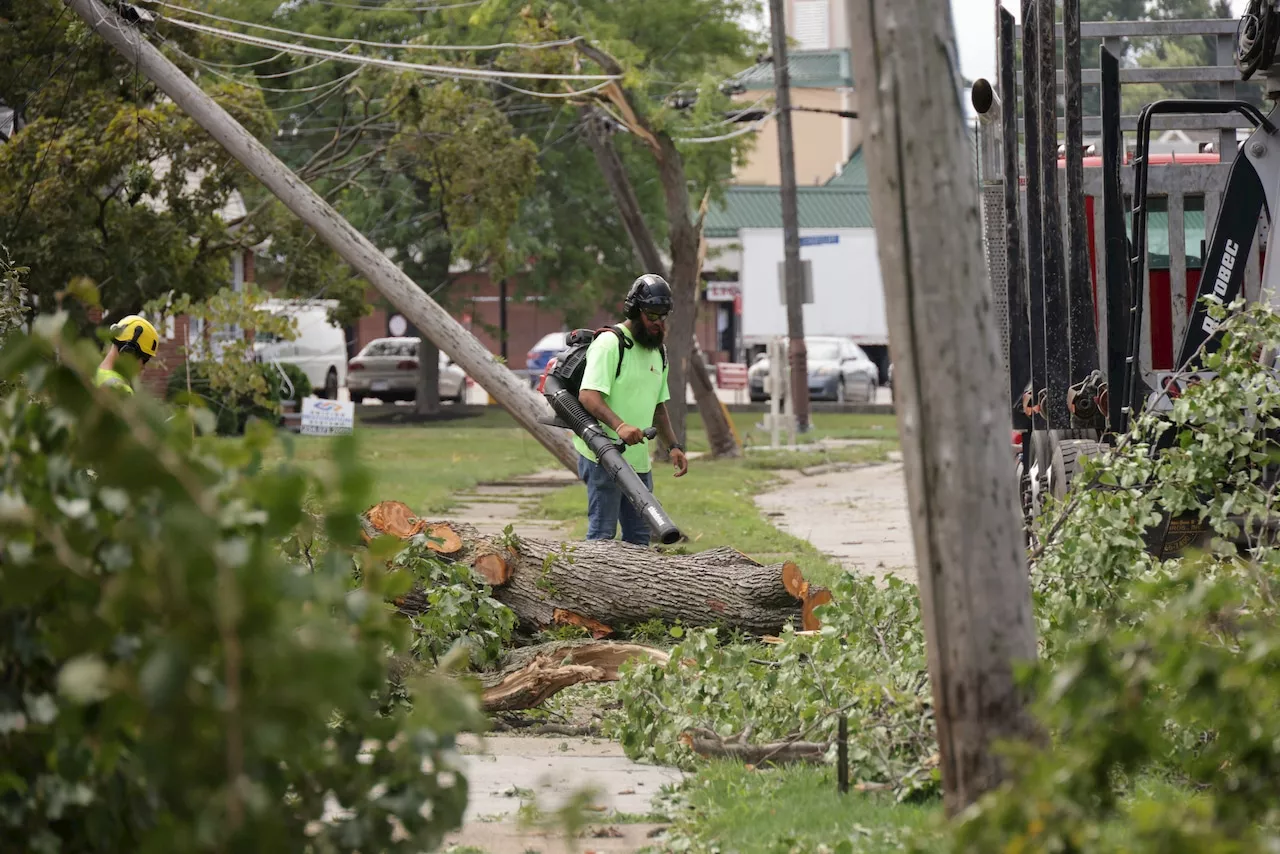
(387, 368)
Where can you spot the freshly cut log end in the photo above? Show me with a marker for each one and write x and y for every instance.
(393, 518)
(598, 630)
(493, 568)
(793, 581)
(810, 597)
(815, 597)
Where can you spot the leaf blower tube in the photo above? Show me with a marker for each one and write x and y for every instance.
(571, 414)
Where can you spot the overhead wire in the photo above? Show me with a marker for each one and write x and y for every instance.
(253, 64)
(293, 71)
(363, 8)
(452, 71)
(362, 42)
(751, 128)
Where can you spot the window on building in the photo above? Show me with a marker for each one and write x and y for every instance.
(811, 26)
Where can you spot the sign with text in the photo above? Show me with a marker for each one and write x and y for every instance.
(731, 376)
(723, 292)
(820, 240)
(327, 417)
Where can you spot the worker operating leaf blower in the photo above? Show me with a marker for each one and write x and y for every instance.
(621, 373)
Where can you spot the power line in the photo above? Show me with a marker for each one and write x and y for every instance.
(362, 42)
(363, 8)
(253, 64)
(752, 128)
(437, 70)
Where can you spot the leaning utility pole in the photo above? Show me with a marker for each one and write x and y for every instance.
(975, 596)
(792, 271)
(423, 312)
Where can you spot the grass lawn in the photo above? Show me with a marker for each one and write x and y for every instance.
(798, 808)
(425, 467)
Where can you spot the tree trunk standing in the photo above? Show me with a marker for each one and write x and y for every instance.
(793, 273)
(974, 591)
(715, 418)
(682, 238)
(436, 263)
(427, 395)
(524, 404)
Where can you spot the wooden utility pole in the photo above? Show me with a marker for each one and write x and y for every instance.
(792, 272)
(423, 312)
(954, 421)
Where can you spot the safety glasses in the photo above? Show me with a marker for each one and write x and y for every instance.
(655, 316)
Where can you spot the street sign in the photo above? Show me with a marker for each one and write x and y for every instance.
(731, 376)
(820, 240)
(327, 417)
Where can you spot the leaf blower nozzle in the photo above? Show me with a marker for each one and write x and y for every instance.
(570, 413)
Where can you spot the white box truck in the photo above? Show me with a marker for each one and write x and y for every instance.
(844, 295)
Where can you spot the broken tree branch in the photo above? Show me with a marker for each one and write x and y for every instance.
(708, 745)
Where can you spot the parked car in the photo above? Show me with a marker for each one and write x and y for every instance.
(838, 370)
(319, 349)
(387, 368)
(536, 359)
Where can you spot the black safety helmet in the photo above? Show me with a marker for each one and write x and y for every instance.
(650, 292)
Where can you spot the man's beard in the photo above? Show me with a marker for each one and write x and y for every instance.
(646, 339)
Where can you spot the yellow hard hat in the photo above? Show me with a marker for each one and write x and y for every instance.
(135, 334)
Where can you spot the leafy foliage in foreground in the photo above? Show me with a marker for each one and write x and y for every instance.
(457, 608)
(1168, 668)
(867, 662)
(170, 681)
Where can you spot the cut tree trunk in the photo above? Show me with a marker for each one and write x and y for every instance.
(527, 677)
(607, 585)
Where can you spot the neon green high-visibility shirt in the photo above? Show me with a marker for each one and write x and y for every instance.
(110, 379)
(633, 394)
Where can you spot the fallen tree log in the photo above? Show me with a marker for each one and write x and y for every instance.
(708, 745)
(527, 677)
(607, 585)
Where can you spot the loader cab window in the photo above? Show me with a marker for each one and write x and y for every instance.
(1193, 229)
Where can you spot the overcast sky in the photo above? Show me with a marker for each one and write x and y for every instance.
(976, 33)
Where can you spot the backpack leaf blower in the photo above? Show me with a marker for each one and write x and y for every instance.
(560, 384)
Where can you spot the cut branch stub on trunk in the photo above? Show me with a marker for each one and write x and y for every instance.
(493, 568)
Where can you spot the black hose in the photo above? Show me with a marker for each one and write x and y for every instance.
(588, 429)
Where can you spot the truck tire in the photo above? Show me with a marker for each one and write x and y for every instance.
(1068, 461)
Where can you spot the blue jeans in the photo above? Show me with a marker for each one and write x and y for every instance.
(607, 506)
